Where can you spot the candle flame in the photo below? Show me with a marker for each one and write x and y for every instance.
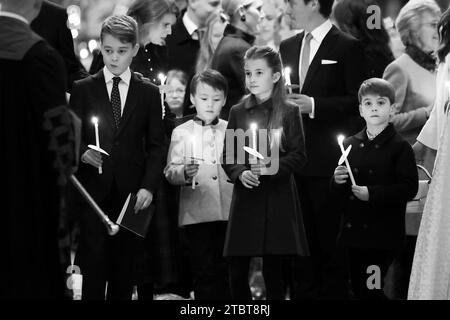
(162, 78)
(94, 120)
(340, 139)
(287, 71)
(253, 126)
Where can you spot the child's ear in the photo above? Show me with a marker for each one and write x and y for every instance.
(192, 99)
(360, 111)
(135, 49)
(276, 76)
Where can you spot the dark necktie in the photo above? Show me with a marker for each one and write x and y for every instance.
(115, 101)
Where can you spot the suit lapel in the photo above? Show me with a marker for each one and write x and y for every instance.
(130, 103)
(103, 101)
(324, 48)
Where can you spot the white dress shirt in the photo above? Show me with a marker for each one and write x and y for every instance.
(123, 85)
(318, 34)
(191, 27)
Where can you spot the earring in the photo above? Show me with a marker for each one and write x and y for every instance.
(243, 18)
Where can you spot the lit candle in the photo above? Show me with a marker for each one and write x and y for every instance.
(347, 164)
(287, 76)
(97, 139)
(253, 128)
(193, 158)
(162, 78)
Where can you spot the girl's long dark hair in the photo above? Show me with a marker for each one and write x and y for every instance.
(273, 60)
(444, 35)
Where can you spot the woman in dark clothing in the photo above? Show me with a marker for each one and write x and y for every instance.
(239, 35)
(265, 215)
(351, 16)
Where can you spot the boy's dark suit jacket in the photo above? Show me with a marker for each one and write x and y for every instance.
(334, 88)
(51, 24)
(137, 148)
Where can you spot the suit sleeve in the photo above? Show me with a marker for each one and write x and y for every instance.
(77, 105)
(403, 121)
(354, 73)
(229, 155)
(155, 143)
(294, 146)
(406, 181)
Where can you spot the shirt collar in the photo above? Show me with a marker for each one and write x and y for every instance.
(191, 27)
(125, 76)
(203, 123)
(381, 138)
(14, 16)
(321, 31)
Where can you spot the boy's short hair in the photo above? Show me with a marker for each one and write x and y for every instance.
(122, 27)
(212, 78)
(377, 86)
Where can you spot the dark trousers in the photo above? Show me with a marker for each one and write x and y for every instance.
(322, 275)
(272, 272)
(359, 261)
(209, 268)
(103, 258)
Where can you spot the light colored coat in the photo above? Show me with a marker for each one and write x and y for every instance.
(210, 201)
(415, 90)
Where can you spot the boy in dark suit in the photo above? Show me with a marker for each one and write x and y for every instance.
(384, 169)
(131, 131)
(329, 66)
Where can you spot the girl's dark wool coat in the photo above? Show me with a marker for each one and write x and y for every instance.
(266, 220)
(387, 166)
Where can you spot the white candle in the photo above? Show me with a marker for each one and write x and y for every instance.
(97, 139)
(253, 128)
(287, 76)
(347, 164)
(193, 158)
(162, 78)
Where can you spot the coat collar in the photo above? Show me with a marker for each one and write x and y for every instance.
(180, 33)
(380, 139)
(250, 103)
(234, 32)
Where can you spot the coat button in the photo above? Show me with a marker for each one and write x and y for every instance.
(214, 177)
(377, 146)
(151, 69)
(352, 197)
(370, 171)
(361, 145)
(148, 60)
(355, 170)
(348, 225)
(365, 226)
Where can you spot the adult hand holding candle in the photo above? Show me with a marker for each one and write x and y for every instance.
(347, 164)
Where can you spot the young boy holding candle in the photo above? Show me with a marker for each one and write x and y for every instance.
(385, 173)
(194, 164)
(131, 131)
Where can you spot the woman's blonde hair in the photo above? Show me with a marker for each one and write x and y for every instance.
(410, 16)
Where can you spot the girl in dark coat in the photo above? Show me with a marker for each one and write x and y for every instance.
(265, 216)
(384, 169)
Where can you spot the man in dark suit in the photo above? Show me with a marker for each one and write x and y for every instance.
(184, 42)
(329, 67)
(51, 24)
(131, 131)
